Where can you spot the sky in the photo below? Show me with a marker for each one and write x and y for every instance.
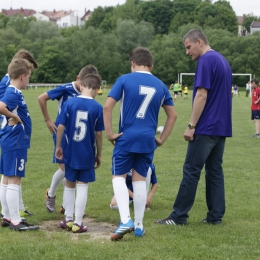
(239, 6)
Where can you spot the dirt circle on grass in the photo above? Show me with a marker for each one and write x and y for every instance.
(96, 230)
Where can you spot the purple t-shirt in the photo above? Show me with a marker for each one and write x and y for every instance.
(214, 74)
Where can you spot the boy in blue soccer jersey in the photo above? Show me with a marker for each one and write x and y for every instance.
(83, 118)
(141, 95)
(15, 141)
(150, 179)
(62, 94)
(5, 82)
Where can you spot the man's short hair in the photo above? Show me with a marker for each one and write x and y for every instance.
(18, 67)
(255, 80)
(141, 56)
(195, 34)
(92, 81)
(89, 69)
(24, 54)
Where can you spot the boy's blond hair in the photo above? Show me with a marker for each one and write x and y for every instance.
(18, 67)
(24, 54)
(92, 81)
(89, 69)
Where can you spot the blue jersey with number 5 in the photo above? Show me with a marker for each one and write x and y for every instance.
(141, 94)
(82, 116)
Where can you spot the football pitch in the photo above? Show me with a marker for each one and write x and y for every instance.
(236, 238)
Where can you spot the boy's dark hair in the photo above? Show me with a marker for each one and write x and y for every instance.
(89, 69)
(255, 80)
(24, 54)
(92, 81)
(18, 67)
(141, 56)
(195, 34)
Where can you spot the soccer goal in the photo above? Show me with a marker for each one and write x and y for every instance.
(233, 74)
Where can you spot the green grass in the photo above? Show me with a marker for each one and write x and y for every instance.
(237, 238)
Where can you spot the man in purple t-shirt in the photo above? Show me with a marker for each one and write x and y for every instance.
(210, 124)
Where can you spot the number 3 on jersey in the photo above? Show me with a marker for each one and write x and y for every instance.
(80, 125)
(149, 93)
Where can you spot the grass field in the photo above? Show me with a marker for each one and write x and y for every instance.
(236, 238)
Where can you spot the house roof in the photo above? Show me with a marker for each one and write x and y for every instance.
(255, 24)
(55, 15)
(240, 19)
(88, 13)
(13, 12)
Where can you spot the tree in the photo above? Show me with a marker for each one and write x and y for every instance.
(3, 20)
(248, 19)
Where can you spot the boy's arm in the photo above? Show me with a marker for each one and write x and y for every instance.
(170, 121)
(4, 111)
(151, 193)
(131, 194)
(42, 99)
(59, 151)
(107, 115)
(99, 149)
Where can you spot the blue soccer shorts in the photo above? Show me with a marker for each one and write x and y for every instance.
(13, 163)
(255, 114)
(123, 162)
(83, 175)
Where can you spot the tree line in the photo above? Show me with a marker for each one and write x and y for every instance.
(111, 33)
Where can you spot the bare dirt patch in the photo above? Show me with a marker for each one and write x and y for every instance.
(96, 230)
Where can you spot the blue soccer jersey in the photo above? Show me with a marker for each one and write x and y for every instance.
(17, 136)
(214, 74)
(82, 116)
(62, 94)
(141, 94)
(5, 82)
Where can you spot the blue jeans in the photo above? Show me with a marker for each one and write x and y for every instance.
(208, 151)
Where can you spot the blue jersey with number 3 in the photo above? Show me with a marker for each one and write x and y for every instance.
(141, 94)
(82, 116)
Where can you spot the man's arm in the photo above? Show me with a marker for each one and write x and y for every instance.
(170, 121)
(99, 149)
(107, 115)
(198, 106)
(42, 99)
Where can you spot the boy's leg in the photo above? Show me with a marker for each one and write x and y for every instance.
(5, 209)
(57, 179)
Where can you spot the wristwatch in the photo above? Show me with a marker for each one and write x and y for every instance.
(190, 126)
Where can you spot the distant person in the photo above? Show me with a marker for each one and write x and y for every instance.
(255, 106)
(175, 90)
(235, 90)
(210, 124)
(248, 87)
(186, 92)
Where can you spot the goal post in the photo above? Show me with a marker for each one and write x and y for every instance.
(233, 74)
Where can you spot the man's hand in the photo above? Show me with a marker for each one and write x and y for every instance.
(188, 134)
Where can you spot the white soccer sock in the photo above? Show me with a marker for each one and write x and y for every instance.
(122, 198)
(56, 181)
(21, 205)
(139, 199)
(5, 209)
(81, 201)
(68, 202)
(12, 199)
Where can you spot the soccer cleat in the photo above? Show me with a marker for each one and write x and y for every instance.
(122, 229)
(256, 136)
(218, 222)
(79, 229)
(169, 221)
(62, 210)
(66, 224)
(5, 222)
(50, 201)
(23, 226)
(1, 215)
(138, 232)
(25, 213)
